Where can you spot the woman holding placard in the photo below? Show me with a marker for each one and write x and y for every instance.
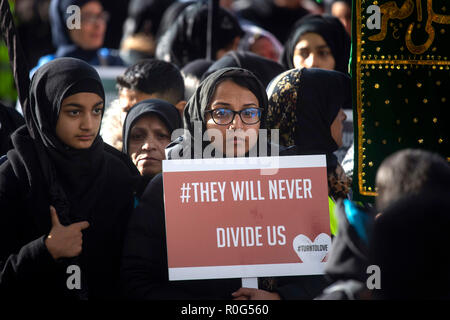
(227, 111)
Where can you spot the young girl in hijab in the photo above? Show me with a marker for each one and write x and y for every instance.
(306, 105)
(230, 99)
(147, 131)
(64, 196)
(317, 41)
(84, 41)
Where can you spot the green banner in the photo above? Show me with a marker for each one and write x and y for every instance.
(401, 82)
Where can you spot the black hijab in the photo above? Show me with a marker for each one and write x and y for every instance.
(185, 40)
(265, 69)
(197, 105)
(164, 110)
(60, 33)
(331, 30)
(72, 176)
(199, 102)
(303, 104)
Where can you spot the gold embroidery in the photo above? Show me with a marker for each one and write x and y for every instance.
(390, 10)
(411, 61)
(406, 62)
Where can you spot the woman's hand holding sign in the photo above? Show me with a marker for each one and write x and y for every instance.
(254, 294)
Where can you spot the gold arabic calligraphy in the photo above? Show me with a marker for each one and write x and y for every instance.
(390, 10)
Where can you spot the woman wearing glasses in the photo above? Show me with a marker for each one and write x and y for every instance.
(229, 107)
(78, 31)
(234, 110)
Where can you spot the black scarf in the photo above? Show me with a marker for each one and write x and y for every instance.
(199, 102)
(164, 110)
(331, 30)
(72, 176)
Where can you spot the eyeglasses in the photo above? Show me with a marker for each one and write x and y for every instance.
(93, 18)
(223, 116)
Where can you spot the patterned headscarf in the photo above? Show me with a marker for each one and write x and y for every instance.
(283, 94)
(303, 104)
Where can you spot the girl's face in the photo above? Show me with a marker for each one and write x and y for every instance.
(79, 119)
(238, 137)
(93, 26)
(311, 51)
(148, 138)
(337, 127)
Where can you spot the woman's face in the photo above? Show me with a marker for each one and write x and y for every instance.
(311, 51)
(147, 140)
(79, 119)
(337, 127)
(237, 136)
(93, 26)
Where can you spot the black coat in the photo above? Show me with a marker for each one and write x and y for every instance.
(27, 270)
(10, 120)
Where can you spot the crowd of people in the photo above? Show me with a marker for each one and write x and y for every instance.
(81, 182)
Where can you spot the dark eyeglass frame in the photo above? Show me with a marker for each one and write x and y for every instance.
(260, 110)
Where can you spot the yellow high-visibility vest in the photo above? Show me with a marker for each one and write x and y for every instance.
(333, 218)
